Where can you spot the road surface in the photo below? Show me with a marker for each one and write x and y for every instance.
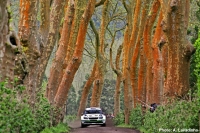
(110, 128)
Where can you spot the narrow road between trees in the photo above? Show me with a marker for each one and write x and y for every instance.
(110, 128)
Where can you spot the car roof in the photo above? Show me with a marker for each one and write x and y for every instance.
(93, 108)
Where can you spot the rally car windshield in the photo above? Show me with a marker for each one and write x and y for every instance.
(93, 112)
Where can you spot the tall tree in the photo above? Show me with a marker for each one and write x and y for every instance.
(135, 75)
(101, 60)
(174, 26)
(118, 72)
(57, 65)
(9, 44)
(75, 62)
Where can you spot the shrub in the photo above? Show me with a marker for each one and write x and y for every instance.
(17, 116)
(178, 115)
(119, 119)
(136, 117)
(60, 128)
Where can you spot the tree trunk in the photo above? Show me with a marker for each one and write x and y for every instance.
(125, 78)
(9, 44)
(101, 60)
(157, 64)
(179, 49)
(148, 49)
(29, 37)
(75, 62)
(57, 65)
(118, 72)
(86, 90)
(135, 55)
(56, 15)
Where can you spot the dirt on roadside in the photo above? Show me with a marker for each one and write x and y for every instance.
(110, 128)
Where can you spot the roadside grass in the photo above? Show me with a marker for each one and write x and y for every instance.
(60, 128)
(125, 126)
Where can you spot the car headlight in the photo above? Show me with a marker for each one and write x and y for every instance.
(85, 117)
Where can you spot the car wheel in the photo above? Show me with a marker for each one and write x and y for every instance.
(82, 125)
(104, 125)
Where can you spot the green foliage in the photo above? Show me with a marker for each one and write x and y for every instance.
(179, 115)
(72, 106)
(136, 117)
(69, 118)
(107, 97)
(125, 126)
(119, 119)
(17, 116)
(197, 63)
(60, 128)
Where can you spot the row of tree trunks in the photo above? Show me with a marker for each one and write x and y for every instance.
(57, 65)
(148, 49)
(158, 55)
(128, 101)
(101, 60)
(56, 15)
(86, 90)
(75, 62)
(135, 55)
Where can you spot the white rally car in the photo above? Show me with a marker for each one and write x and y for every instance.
(93, 116)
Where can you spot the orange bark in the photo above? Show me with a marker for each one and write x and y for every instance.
(148, 49)
(75, 62)
(86, 90)
(125, 77)
(24, 26)
(45, 18)
(101, 60)
(117, 71)
(179, 49)
(157, 63)
(57, 65)
(134, 59)
(142, 77)
(57, 9)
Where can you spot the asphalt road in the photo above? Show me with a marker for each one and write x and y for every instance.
(110, 128)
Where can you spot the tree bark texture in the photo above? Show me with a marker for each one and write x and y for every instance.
(157, 63)
(101, 60)
(8, 45)
(118, 72)
(148, 48)
(30, 43)
(179, 48)
(86, 90)
(56, 15)
(57, 65)
(75, 62)
(135, 53)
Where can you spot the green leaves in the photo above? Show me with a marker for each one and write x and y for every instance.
(136, 117)
(17, 116)
(197, 62)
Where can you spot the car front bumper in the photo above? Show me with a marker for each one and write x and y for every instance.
(93, 122)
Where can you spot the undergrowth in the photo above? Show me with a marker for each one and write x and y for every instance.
(16, 116)
(178, 115)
